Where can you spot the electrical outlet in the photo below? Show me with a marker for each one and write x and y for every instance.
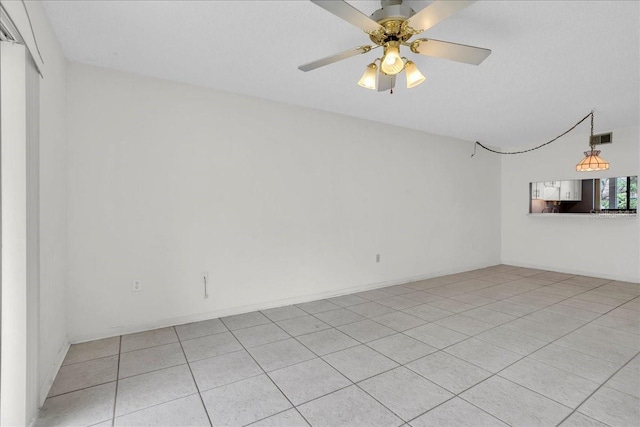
(136, 287)
(377, 257)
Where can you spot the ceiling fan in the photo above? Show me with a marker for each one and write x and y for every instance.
(391, 27)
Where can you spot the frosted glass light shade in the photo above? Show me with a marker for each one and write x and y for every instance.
(592, 162)
(414, 76)
(368, 79)
(392, 63)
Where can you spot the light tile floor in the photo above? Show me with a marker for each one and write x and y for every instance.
(491, 347)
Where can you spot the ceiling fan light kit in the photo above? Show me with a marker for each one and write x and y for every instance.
(414, 76)
(391, 27)
(368, 79)
(392, 63)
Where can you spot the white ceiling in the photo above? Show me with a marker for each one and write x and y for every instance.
(552, 61)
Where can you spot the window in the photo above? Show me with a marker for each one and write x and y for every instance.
(619, 194)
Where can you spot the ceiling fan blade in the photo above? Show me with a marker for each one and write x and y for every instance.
(453, 51)
(385, 82)
(349, 13)
(335, 58)
(433, 14)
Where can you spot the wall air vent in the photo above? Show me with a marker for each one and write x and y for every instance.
(603, 138)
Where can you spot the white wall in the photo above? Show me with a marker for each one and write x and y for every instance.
(276, 202)
(601, 247)
(52, 302)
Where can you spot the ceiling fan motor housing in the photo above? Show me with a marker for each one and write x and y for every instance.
(391, 16)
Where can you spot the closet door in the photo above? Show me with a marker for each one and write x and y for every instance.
(20, 260)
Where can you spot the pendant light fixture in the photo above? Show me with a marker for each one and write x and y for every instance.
(592, 160)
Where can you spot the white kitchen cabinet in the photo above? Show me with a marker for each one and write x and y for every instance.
(571, 190)
(537, 190)
(545, 190)
(551, 192)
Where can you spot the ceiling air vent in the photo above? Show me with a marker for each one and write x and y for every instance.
(603, 138)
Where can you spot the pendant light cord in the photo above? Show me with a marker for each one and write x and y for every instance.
(539, 146)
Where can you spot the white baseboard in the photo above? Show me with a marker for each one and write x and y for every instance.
(50, 376)
(268, 304)
(576, 272)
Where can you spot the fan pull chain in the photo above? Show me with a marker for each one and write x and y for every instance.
(539, 146)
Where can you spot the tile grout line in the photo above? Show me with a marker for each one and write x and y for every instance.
(156, 405)
(318, 357)
(475, 307)
(81, 389)
(539, 287)
(520, 385)
(473, 336)
(211, 357)
(493, 374)
(598, 388)
(151, 346)
(237, 351)
(277, 413)
(357, 384)
(454, 395)
(352, 383)
(115, 397)
(156, 370)
(136, 375)
(196, 338)
(496, 373)
(469, 337)
(267, 375)
(90, 360)
(321, 356)
(586, 354)
(521, 317)
(206, 411)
